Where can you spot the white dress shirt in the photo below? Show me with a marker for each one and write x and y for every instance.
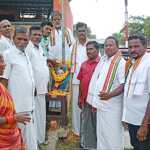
(81, 56)
(21, 86)
(114, 103)
(40, 68)
(5, 43)
(136, 100)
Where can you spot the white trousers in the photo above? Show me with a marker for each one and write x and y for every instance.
(109, 130)
(75, 109)
(40, 113)
(29, 134)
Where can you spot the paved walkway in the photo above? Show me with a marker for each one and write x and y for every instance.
(52, 140)
(127, 140)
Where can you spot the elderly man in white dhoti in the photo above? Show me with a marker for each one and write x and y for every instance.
(105, 93)
(136, 112)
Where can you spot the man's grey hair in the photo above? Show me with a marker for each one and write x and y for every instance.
(20, 29)
(4, 20)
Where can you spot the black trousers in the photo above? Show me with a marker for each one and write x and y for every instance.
(137, 145)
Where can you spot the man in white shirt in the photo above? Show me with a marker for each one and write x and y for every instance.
(136, 112)
(18, 77)
(78, 57)
(5, 32)
(105, 94)
(41, 77)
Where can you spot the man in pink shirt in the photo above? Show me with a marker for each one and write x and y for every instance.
(88, 116)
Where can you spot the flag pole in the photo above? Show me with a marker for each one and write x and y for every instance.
(126, 24)
(62, 28)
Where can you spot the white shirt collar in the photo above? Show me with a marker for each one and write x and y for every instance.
(18, 51)
(6, 39)
(32, 45)
(106, 58)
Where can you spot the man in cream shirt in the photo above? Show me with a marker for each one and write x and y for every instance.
(41, 77)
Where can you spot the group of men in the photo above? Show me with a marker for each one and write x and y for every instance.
(26, 75)
(107, 91)
(114, 93)
(25, 68)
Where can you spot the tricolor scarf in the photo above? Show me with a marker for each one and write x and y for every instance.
(10, 135)
(135, 65)
(74, 57)
(66, 35)
(111, 73)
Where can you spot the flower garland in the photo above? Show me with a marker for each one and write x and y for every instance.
(58, 79)
(58, 93)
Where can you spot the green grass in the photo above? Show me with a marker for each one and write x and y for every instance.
(68, 145)
(42, 147)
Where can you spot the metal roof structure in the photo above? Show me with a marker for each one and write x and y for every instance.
(21, 8)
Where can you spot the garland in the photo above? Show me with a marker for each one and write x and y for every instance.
(59, 77)
(58, 93)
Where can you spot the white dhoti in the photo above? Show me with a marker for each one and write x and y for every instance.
(29, 134)
(40, 113)
(109, 130)
(75, 109)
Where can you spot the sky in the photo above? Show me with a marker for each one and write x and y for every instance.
(105, 17)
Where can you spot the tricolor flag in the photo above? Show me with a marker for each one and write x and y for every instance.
(57, 5)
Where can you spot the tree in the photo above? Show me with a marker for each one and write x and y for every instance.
(119, 37)
(137, 25)
(147, 27)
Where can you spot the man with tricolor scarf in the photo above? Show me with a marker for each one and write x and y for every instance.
(56, 40)
(78, 56)
(105, 94)
(136, 114)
